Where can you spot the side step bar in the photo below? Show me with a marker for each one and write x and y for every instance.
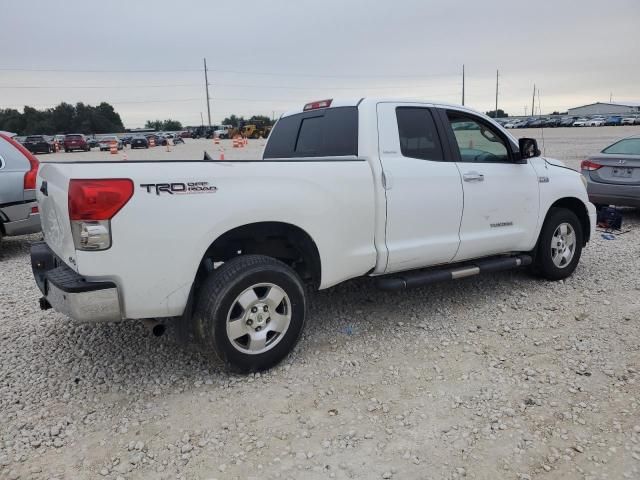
(418, 278)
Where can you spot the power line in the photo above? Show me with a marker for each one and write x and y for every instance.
(247, 72)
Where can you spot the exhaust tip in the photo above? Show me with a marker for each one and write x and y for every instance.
(158, 330)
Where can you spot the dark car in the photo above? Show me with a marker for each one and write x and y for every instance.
(567, 121)
(126, 140)
(538, 123)
(139, 142)
(92, 142)
(75, 141)
(38, 144)
(552, 123)
(613, 175)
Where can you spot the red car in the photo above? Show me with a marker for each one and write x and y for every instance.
(75, 141)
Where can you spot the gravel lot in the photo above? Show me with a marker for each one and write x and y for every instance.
(499, 376)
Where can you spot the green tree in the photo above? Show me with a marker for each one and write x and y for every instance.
(233, 120)
(501, 114)
(164, 125)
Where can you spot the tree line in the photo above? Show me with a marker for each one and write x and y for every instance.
(260, 120)
(63, 118)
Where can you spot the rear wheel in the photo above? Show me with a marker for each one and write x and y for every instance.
(250, 312)
(559, 246)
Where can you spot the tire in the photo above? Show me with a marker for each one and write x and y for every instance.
(218, 302)
(559, 223)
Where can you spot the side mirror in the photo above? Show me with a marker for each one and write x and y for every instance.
(528, 148)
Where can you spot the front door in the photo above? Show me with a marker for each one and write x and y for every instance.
(423, 191)
(501, 197)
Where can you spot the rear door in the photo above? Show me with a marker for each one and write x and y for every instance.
(423, 191)
(501, 197)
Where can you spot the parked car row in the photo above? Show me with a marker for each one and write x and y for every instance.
(552, 122)
(39, 144)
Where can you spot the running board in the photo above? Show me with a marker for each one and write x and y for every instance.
(418, 278)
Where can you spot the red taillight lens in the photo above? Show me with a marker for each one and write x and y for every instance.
(318, 104)
(34, 209)
(98, 199)
(589, 165)
(31, 176)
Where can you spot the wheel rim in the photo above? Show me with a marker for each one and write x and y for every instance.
(258, 318)
(563, 245)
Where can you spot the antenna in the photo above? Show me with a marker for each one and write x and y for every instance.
(533, 102)
(496, 110)
(463, 84)
(544, 150)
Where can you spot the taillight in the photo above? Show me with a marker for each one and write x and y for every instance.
(589, 165)
(98, 199)
(32, 175)
(92, 205)
(317, 105)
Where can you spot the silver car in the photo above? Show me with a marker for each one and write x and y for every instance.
(613, 176)
(18, 171)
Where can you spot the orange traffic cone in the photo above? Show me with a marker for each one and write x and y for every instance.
(113, 148)
(216, 141)
(222, 154)
(152, 142)
(168, 147)
(124, 156)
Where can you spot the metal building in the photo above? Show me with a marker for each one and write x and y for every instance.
(605, 108)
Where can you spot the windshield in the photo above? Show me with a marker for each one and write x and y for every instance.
(628, 146)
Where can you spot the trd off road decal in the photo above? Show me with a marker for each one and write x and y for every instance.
(179, 188)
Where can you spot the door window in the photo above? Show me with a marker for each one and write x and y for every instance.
(477, 141)
(418, 135)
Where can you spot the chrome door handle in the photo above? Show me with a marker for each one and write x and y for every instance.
(473, 177)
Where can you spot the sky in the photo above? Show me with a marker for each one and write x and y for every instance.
(267, 57)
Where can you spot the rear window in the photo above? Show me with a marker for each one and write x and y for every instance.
(629, 146)
(418, 135)
(331, 132)
(74, 137)
(34, 138)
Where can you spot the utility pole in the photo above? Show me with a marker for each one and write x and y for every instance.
(533, 102)
(463, 84)
(201, 119)
(611, 97)
(206, 85)
(496, 110)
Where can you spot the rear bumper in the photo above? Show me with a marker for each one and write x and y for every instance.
(613, 194)
(69, 292)
(20, 220)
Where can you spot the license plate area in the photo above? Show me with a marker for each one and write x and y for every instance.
(622, 172)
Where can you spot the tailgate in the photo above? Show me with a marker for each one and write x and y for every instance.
(52, 188)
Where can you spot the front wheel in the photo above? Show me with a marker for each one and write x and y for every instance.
(250, 312)
(559, 246)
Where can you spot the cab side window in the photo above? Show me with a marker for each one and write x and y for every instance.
(418, 135)
(477, 141)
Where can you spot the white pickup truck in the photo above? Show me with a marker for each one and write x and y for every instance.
(407, 192)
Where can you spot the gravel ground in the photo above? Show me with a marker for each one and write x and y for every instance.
(498, 376)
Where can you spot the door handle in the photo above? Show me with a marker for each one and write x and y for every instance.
(473, 177)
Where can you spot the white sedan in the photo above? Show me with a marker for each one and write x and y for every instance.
(581, 122)
(595, 122)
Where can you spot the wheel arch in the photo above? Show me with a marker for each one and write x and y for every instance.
(578, 207)
(283, 241)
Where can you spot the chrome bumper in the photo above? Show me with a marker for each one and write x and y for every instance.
(71, 294)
